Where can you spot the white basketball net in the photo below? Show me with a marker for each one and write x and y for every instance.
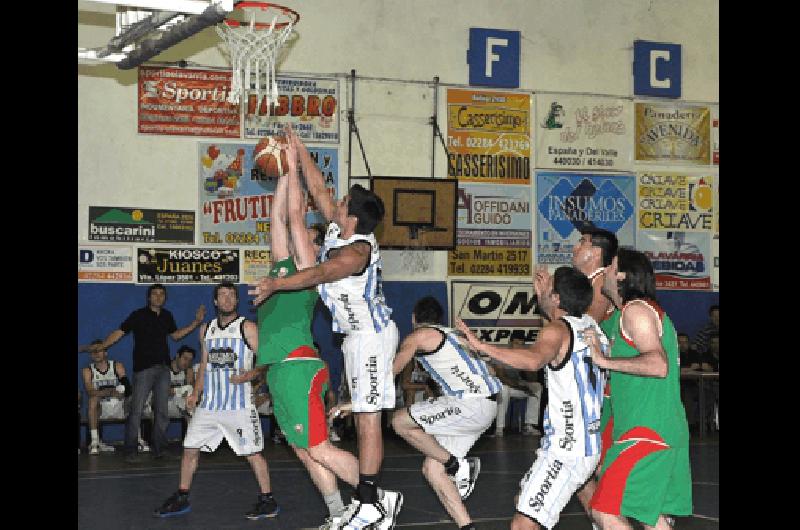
(253, 52)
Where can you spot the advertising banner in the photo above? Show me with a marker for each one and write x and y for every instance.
(672, 201)
(310, 105)
(583, 132)
(493, 234)
(187, 102)
(255, 264)
(105, 263)
(673, 133)
(496, 311)
(568, 202)
(117, 224)
(715, 135)
(681, 260)
(488, 136)
(187, 265)
(235, 196)
(715, 267)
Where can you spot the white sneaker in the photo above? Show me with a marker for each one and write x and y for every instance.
(467, 474)
(94, 448)
(360, 515)
(330, 523)
(105, 448)
(530, 430)
(143, 447)
(392, 501)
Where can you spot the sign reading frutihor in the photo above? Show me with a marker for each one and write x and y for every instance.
(488, 136)
(117, 224)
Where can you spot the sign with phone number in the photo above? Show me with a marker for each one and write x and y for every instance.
(467, 260)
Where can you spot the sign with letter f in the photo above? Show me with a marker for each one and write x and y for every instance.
(656, 69)
(493, 57)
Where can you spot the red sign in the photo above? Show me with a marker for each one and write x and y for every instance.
(185, 102)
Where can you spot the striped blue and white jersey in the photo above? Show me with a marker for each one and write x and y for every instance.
(457, 369)
(356, 303)
(177, 379)
(107, 379)
(228, 354)
(575, 390)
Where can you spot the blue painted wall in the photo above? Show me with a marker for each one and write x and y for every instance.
(103, 307)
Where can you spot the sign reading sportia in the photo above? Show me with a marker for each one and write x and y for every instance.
(497, 311)
(187, 102)
(488, 136)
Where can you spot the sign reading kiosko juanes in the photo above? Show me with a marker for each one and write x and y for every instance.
(187, 265)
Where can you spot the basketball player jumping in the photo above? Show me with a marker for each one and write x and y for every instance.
(349, 282)
(570, 448)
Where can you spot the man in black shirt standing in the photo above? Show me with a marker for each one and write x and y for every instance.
(150, 326)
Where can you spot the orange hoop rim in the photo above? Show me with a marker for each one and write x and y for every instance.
(263, 6)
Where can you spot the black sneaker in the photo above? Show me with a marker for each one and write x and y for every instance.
(265, 507)
(177, 504)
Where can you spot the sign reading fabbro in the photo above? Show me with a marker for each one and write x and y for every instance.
(488, 136)
(673, 133)
(107, 223)
(187, 265)
(583, 132)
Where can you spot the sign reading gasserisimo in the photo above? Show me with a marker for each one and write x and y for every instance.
(107, 223)
(187, 265)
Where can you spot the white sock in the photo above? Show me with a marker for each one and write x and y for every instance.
(95, 436)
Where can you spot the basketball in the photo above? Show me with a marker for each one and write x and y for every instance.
(270, 156)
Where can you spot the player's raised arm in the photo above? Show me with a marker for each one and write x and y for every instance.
(278, 231)
(546, 348)
(315, 182)
(304, 255)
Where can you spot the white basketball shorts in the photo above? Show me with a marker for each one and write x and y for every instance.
(112, 409)
(368, 361)
(241, 428)
(550, 483)
(456, 423)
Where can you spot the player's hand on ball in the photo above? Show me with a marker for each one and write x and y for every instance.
(261, 290)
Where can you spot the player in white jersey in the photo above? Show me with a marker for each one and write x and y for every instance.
(181, 380)
(570, 447)
(445, 428)
(226, 410)
(106, 386)
(349, 280)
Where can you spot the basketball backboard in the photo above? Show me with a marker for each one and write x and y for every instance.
(420, 213)
(145, 28)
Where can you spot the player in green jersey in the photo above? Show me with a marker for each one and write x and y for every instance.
(297, 377)
(646, 473)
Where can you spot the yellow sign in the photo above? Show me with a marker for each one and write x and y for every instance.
(488, 136)
(255, 265)
(670, 201)
(672, 133)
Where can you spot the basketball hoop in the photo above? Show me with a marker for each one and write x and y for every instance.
(254, 46)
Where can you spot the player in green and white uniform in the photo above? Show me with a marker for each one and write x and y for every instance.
(646, 473)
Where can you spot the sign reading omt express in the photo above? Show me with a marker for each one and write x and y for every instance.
(181, 101)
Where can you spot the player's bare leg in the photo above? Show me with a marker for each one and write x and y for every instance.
(446, 490)
(520, 522)
(188, 467)
(411, 432)
(261, 470)
(338, 461)
(661, 524)
(370, 442)
(607, 521)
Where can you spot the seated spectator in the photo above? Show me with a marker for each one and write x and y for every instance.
(107, 386)
(694, 361)
(701, 340)
(515, 386)
(415, 383)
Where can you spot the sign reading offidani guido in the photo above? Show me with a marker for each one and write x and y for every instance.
(187, 265)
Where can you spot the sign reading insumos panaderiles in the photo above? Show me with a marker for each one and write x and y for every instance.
(497, 311)
(187, 265)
